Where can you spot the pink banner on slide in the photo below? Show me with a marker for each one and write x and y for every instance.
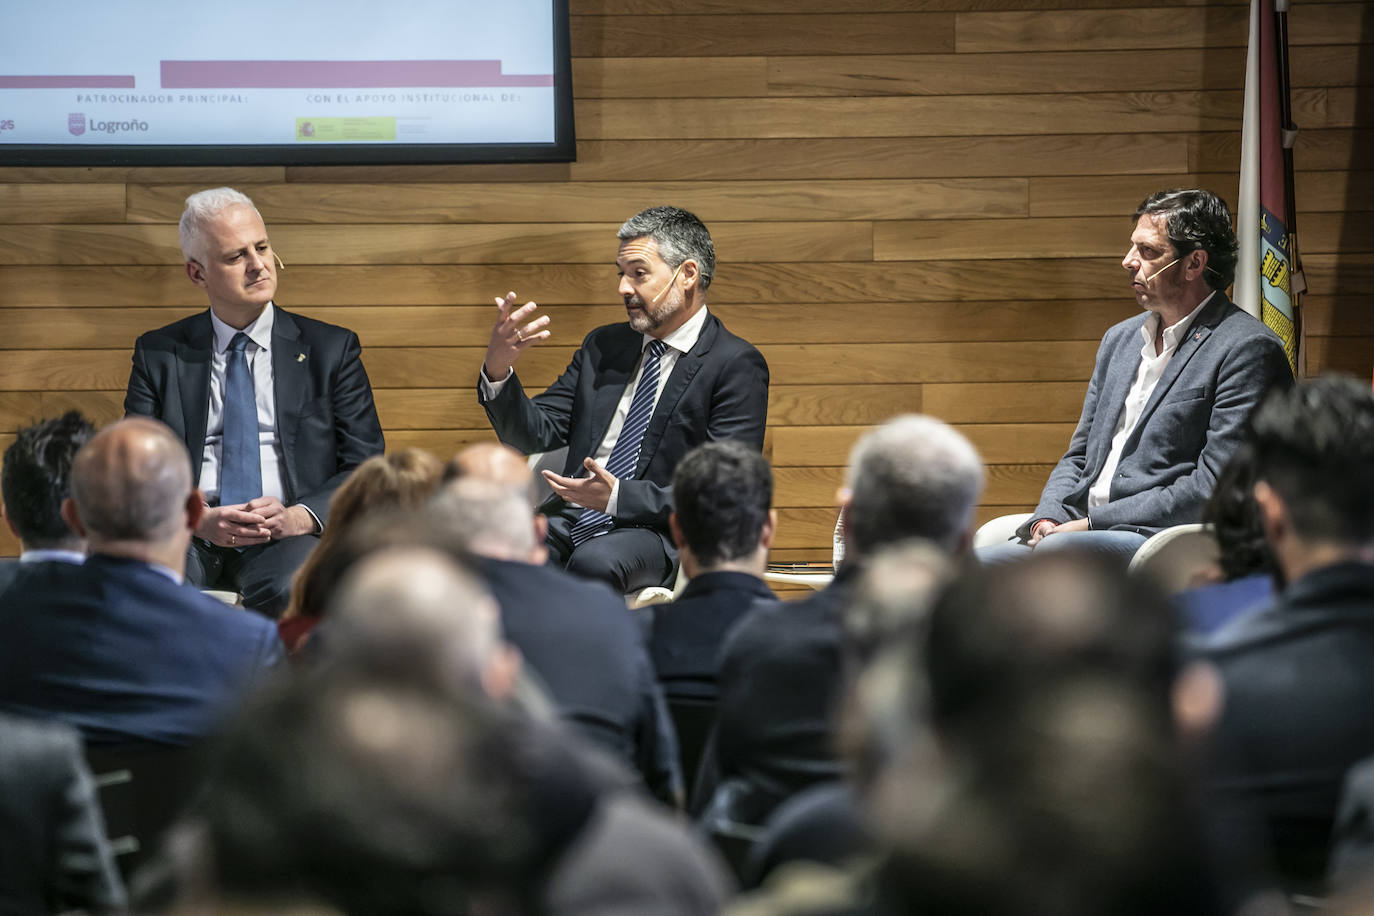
(341, 74)
(55, 81)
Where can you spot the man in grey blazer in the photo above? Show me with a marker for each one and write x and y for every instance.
(1170, 391)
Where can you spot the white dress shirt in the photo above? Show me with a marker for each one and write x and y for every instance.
(679, 342)
(259, 355)
(52, 555)
(1146, 377)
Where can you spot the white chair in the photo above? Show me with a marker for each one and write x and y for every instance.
(814, 580)
(999, 530)
(1175, 556)
(233, 598)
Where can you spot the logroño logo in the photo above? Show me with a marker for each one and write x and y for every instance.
(76, 124)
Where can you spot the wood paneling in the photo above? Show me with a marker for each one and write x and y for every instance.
(918, 206)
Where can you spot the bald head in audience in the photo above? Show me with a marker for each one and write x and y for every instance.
(132, 494)
(489, 498)
(407, 607)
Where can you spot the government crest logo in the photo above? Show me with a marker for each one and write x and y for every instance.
(76, 124)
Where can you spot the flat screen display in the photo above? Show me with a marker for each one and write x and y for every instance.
(171, 82)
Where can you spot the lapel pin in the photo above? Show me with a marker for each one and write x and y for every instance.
(300, 357)
(1196, 336)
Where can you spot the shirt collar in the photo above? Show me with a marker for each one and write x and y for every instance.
(260, 331)
(685, 337)
(45, 555)
(1174, 332)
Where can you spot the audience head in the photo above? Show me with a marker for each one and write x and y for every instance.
(723, 506)
(381, 796)
(131, 486)
(36, 478)
(680, 237)
(202, 208)
(1234, 516)
(894, 595)
(413, 611)
(496, 463)
(1025, 754)
(1196, 220)
(490, 519)
(396, 481)
(1314, 470)
(912, 477)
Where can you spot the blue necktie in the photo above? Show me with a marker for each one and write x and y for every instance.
(625, 453)
(240, 472)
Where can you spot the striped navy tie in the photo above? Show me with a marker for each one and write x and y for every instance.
(625, 455)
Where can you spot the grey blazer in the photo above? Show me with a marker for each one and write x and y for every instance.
(1191, 425)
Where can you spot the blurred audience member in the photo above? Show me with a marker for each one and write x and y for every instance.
(55, 855)
(377, 787)
(577, 635)
(780, 673)
(35, 478)
(120, 646)
(722, 524)
(1244, 578)
(826, 822)
(396, 481)
(1299, 674)
(1019, 752)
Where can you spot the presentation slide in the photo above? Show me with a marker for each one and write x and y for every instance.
(296, 72)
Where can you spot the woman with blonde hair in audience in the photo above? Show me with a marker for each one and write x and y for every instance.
(397, 481)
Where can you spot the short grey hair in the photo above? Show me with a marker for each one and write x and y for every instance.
(486, 517)
(201, 208)
(406, 605)
(914, 476)
(679, 235)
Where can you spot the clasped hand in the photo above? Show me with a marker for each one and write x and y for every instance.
(254, 522)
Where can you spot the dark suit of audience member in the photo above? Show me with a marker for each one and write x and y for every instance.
(722, 524)
(577, 636)
(119, 647)
(9, 568)
(685, 636)
(1299, 675)
(54, 856)
(581, 641)
(633, 401)
(305, 400)
(120, 650)
(781, 674)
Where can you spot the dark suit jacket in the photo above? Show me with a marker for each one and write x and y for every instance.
(123, 653)
(326, 422)
(1190, 427)
(9, 568)
(54, 856)
(685, 636)
(581, 641)
(1299, 684)
(718, 390)
(780, 681)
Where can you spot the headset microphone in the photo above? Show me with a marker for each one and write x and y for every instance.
(1151, 277)
(667, 286)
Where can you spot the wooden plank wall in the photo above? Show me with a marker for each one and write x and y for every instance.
(918, 205)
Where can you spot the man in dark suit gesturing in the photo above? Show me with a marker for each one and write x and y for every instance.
(1169, 394)
(636, 397)
(275, 408)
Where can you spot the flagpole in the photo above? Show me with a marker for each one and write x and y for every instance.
(1290, 132)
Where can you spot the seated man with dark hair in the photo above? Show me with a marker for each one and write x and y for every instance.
(1299, 674)
(35, 479)
(722, 524)
(1169, 394)
(636, 397)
